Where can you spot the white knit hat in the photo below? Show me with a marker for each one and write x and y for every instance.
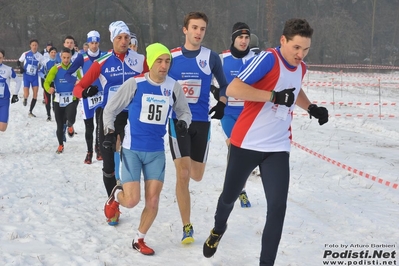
(116, 28)
(133, 39)
(93, 36)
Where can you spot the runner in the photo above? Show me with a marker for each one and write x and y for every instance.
(89, 104)
(29, 64)
(6, 74)
(49, 63)
(193, 67)
(149, 99)
(64, 102)
(232, 60)
(114, 68)
(271, 85)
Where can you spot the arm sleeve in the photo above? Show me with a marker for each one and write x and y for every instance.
(50, 78)
(21, 59)
(180, 105)
(43, 60)
(118, 102)
(217, 71)
(77, 63)
(17, 81)
(43, 70)
(254, 70)
(91, 75)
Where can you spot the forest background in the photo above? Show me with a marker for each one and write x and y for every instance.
(346, 31)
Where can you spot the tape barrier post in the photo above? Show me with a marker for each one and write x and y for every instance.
(379, 97)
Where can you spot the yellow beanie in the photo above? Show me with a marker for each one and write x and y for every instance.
(154, 51)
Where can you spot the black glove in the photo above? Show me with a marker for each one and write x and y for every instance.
(285, 97)
(109, 142)
(181, 128)
(90, 91)
(218, 109)
(320, 113)
(215, 92)
(14, 99)
(21, 69)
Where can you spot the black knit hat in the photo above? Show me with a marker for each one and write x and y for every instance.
(238, 29)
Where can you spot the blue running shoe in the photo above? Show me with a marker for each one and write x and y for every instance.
(244, 201)
(188, 233)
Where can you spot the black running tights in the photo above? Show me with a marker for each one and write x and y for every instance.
(275, 172)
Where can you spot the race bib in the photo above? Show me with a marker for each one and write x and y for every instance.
(2, 88)
(154, 109)
(63, 98)
(31, 70)
(95, 100)
(282, 112)
(235, 102)
(191, 88)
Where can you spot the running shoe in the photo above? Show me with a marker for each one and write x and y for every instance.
(31, 114)
(89, 157)
(60, 149)
(141, 247)
(188, 232)
(71, 131)
(211, 243)
(111, 208)
(244, 201)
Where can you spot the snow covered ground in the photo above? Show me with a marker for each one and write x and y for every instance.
(51, 206)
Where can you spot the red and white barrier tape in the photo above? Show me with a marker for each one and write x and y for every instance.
(355, 66)
(347, 84)
(353, 115)
(357, 75)
(346, 167)
(353, 103)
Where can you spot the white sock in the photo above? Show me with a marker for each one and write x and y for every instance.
(138, 236)
(116, 194)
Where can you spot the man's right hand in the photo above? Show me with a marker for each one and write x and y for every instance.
(14, 99)
(285, 97)
(181, 128)
(109, 142)
(90, 91)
